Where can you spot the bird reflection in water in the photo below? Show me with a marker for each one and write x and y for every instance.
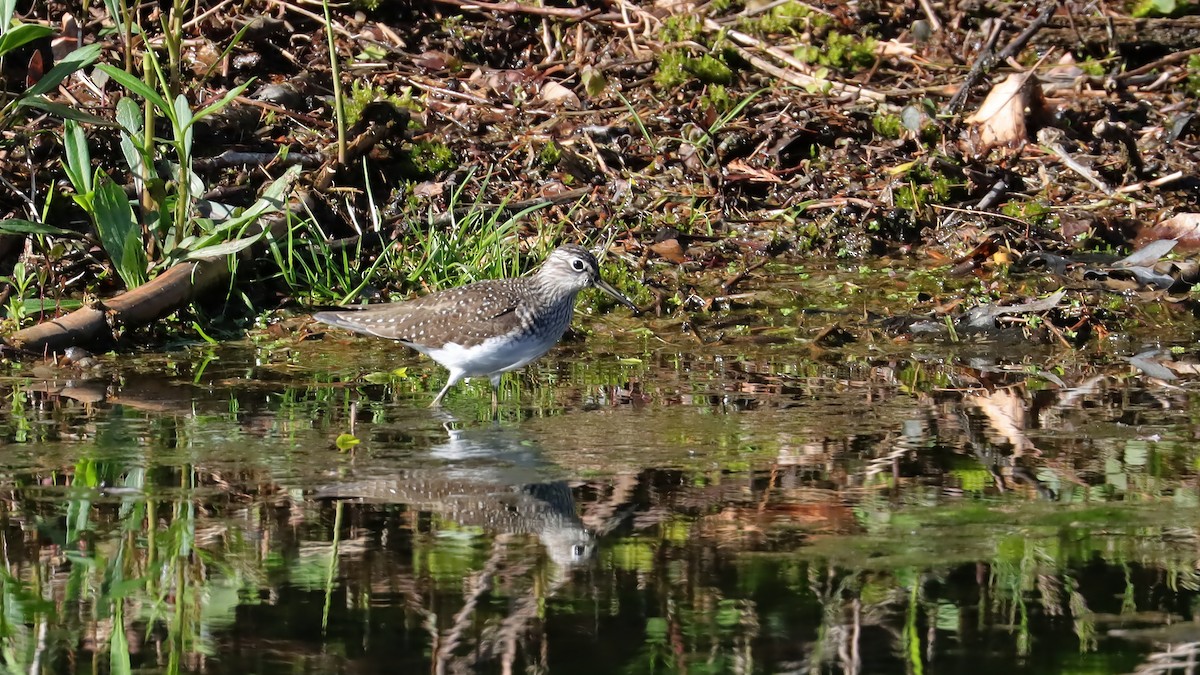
(490, 478)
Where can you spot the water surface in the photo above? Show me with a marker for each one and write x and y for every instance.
(753, 507)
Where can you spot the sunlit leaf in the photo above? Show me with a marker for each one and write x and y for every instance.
(22, 34)
(136, 86)
(183, 122)
(223, 249)
(225, 100)
(129, 116)
(78, 161)
(118, 647)
(218, 241)
(119, 231)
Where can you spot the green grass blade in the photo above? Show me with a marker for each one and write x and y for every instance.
(63, 111)
(19, 226)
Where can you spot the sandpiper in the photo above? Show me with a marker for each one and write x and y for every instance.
(490, 327)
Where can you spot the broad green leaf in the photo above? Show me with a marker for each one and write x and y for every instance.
(183, 123)
(1146, 8)
(119, 232)
(76, 60)
(594, 82)
(223, 249)
(138, 87)
(38, 305)
(19, 226)
(272, 199)
(78, 162)
(22, 34)
(133, 263)
(7, 9)
(129, 117)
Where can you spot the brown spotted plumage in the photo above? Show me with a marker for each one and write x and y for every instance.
(489, 327)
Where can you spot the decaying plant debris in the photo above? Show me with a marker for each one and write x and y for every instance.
(694, 141)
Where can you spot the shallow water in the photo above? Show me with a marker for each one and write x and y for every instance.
(642, 507)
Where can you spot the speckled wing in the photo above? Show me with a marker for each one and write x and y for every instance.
(467, 315)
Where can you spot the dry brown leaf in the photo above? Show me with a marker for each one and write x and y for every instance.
(669, 250)
(1182, 227)
(1185, 368)
(737, 170)
(553, 92)
(895, 48)
(428, 189)
(1001, 120)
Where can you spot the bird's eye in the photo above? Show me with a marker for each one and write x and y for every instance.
(578, 265)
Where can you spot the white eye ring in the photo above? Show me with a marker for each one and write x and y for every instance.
(577, 265)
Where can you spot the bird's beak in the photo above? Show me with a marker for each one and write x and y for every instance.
(604, 286)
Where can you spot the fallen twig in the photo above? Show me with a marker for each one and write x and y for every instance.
(574, 13)
(1167, 60)
(984, 62)
(1051, 139)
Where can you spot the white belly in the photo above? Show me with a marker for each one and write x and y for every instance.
(492, 356)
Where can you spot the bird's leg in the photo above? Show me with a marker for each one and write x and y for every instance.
(495, 395)
(455, 378)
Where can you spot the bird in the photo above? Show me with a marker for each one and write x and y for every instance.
(486, 328)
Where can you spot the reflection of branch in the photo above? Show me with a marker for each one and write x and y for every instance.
(848, 649)
(1170, 660)
(483, 584)
(504, 640)
(603, 517)
(886, 463)
(416, 604)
